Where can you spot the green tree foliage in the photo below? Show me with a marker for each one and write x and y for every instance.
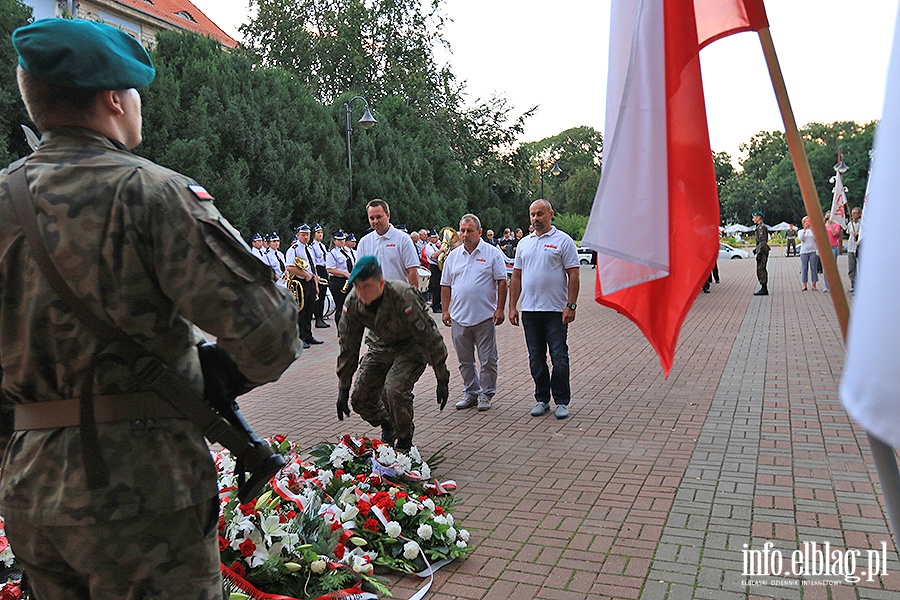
(571, 223)
(767, 180)
(579, 153)
(13, 14)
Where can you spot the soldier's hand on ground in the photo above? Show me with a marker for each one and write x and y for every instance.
(343, 408)
(443, 392)
(514, 316)
(445, 318)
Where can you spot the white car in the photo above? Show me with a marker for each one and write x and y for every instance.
(727, 252)
(586, 256)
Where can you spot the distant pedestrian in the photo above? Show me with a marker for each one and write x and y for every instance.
(790, 237)
(762, 254)
(809, 260)
(853, 226)
(546, 280)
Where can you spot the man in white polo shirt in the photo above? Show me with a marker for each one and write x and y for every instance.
(546, 279)
(394, 249)
(473, 297)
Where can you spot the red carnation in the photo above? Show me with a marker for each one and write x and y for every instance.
(11, 591)
(361, 478)
(339, 472)
(279, 438)
(238, 569)
(402, 495)
(335, 525)
(364, 507)
(339, 551)
(248, 509)
(247, 548)
(376, 443)
(371, 524)
(438, 510)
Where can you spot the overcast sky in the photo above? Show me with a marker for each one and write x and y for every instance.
(833, 54)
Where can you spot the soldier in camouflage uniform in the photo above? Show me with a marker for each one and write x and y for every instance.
(147, 251)
(402, 339)
(762, 254)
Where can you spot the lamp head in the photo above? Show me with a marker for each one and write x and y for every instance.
(367, 120)
(555, 170)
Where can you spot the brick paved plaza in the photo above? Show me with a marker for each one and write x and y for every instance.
(653, 487)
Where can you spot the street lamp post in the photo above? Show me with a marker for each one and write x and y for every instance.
(367, 121)
(554, 171)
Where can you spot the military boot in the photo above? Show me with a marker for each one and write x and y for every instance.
(387, 432)
(403, 445)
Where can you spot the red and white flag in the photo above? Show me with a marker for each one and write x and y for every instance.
(869, 389)
(839, 201)
(655, 218)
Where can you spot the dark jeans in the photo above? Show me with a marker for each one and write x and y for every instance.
(545, 330)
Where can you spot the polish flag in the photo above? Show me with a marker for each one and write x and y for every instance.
(871, 375)
(655, 218)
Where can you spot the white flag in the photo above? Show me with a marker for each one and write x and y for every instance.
(839, 201)
(870, 389)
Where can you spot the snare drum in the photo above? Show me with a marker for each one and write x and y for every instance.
(424, 278)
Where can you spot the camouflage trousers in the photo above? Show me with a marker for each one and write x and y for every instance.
(761, 273)
(169, 556)
(383, 388)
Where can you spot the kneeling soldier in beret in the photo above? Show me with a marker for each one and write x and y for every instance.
(107, 489)
(402, 340)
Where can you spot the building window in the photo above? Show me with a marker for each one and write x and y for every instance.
(186, 15)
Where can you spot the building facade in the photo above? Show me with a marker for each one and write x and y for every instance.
(143, 19)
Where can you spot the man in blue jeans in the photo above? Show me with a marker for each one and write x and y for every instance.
(546, 280)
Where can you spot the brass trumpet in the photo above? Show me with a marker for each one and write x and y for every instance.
(449, 238)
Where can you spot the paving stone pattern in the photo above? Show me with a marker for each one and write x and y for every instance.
(653, 486)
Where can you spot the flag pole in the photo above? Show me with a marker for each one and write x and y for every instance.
(884, 457)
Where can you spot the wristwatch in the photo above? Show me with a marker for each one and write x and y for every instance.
(571, 305)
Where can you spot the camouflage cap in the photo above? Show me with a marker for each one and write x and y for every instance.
(364, 268)
(82, 54)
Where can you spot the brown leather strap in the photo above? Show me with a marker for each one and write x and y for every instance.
(140, 407)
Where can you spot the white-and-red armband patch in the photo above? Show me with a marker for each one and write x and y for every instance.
(200, 192)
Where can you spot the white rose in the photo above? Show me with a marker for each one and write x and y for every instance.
(451, 534)
(393, 529)
(441, 520)
(410, 508)
(318, 566)
(410, 550)
(428, 503)
(424, 531)
(461, 544)
(464, 535)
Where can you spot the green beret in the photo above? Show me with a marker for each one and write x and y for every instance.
(364, 268)
(756, 214)
(82, 54)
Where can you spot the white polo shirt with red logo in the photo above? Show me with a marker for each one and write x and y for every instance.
(543, 261)
(472, 279)
(395, 252)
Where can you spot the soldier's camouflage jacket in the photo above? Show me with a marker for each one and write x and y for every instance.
(150, 254)
(401, 324)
